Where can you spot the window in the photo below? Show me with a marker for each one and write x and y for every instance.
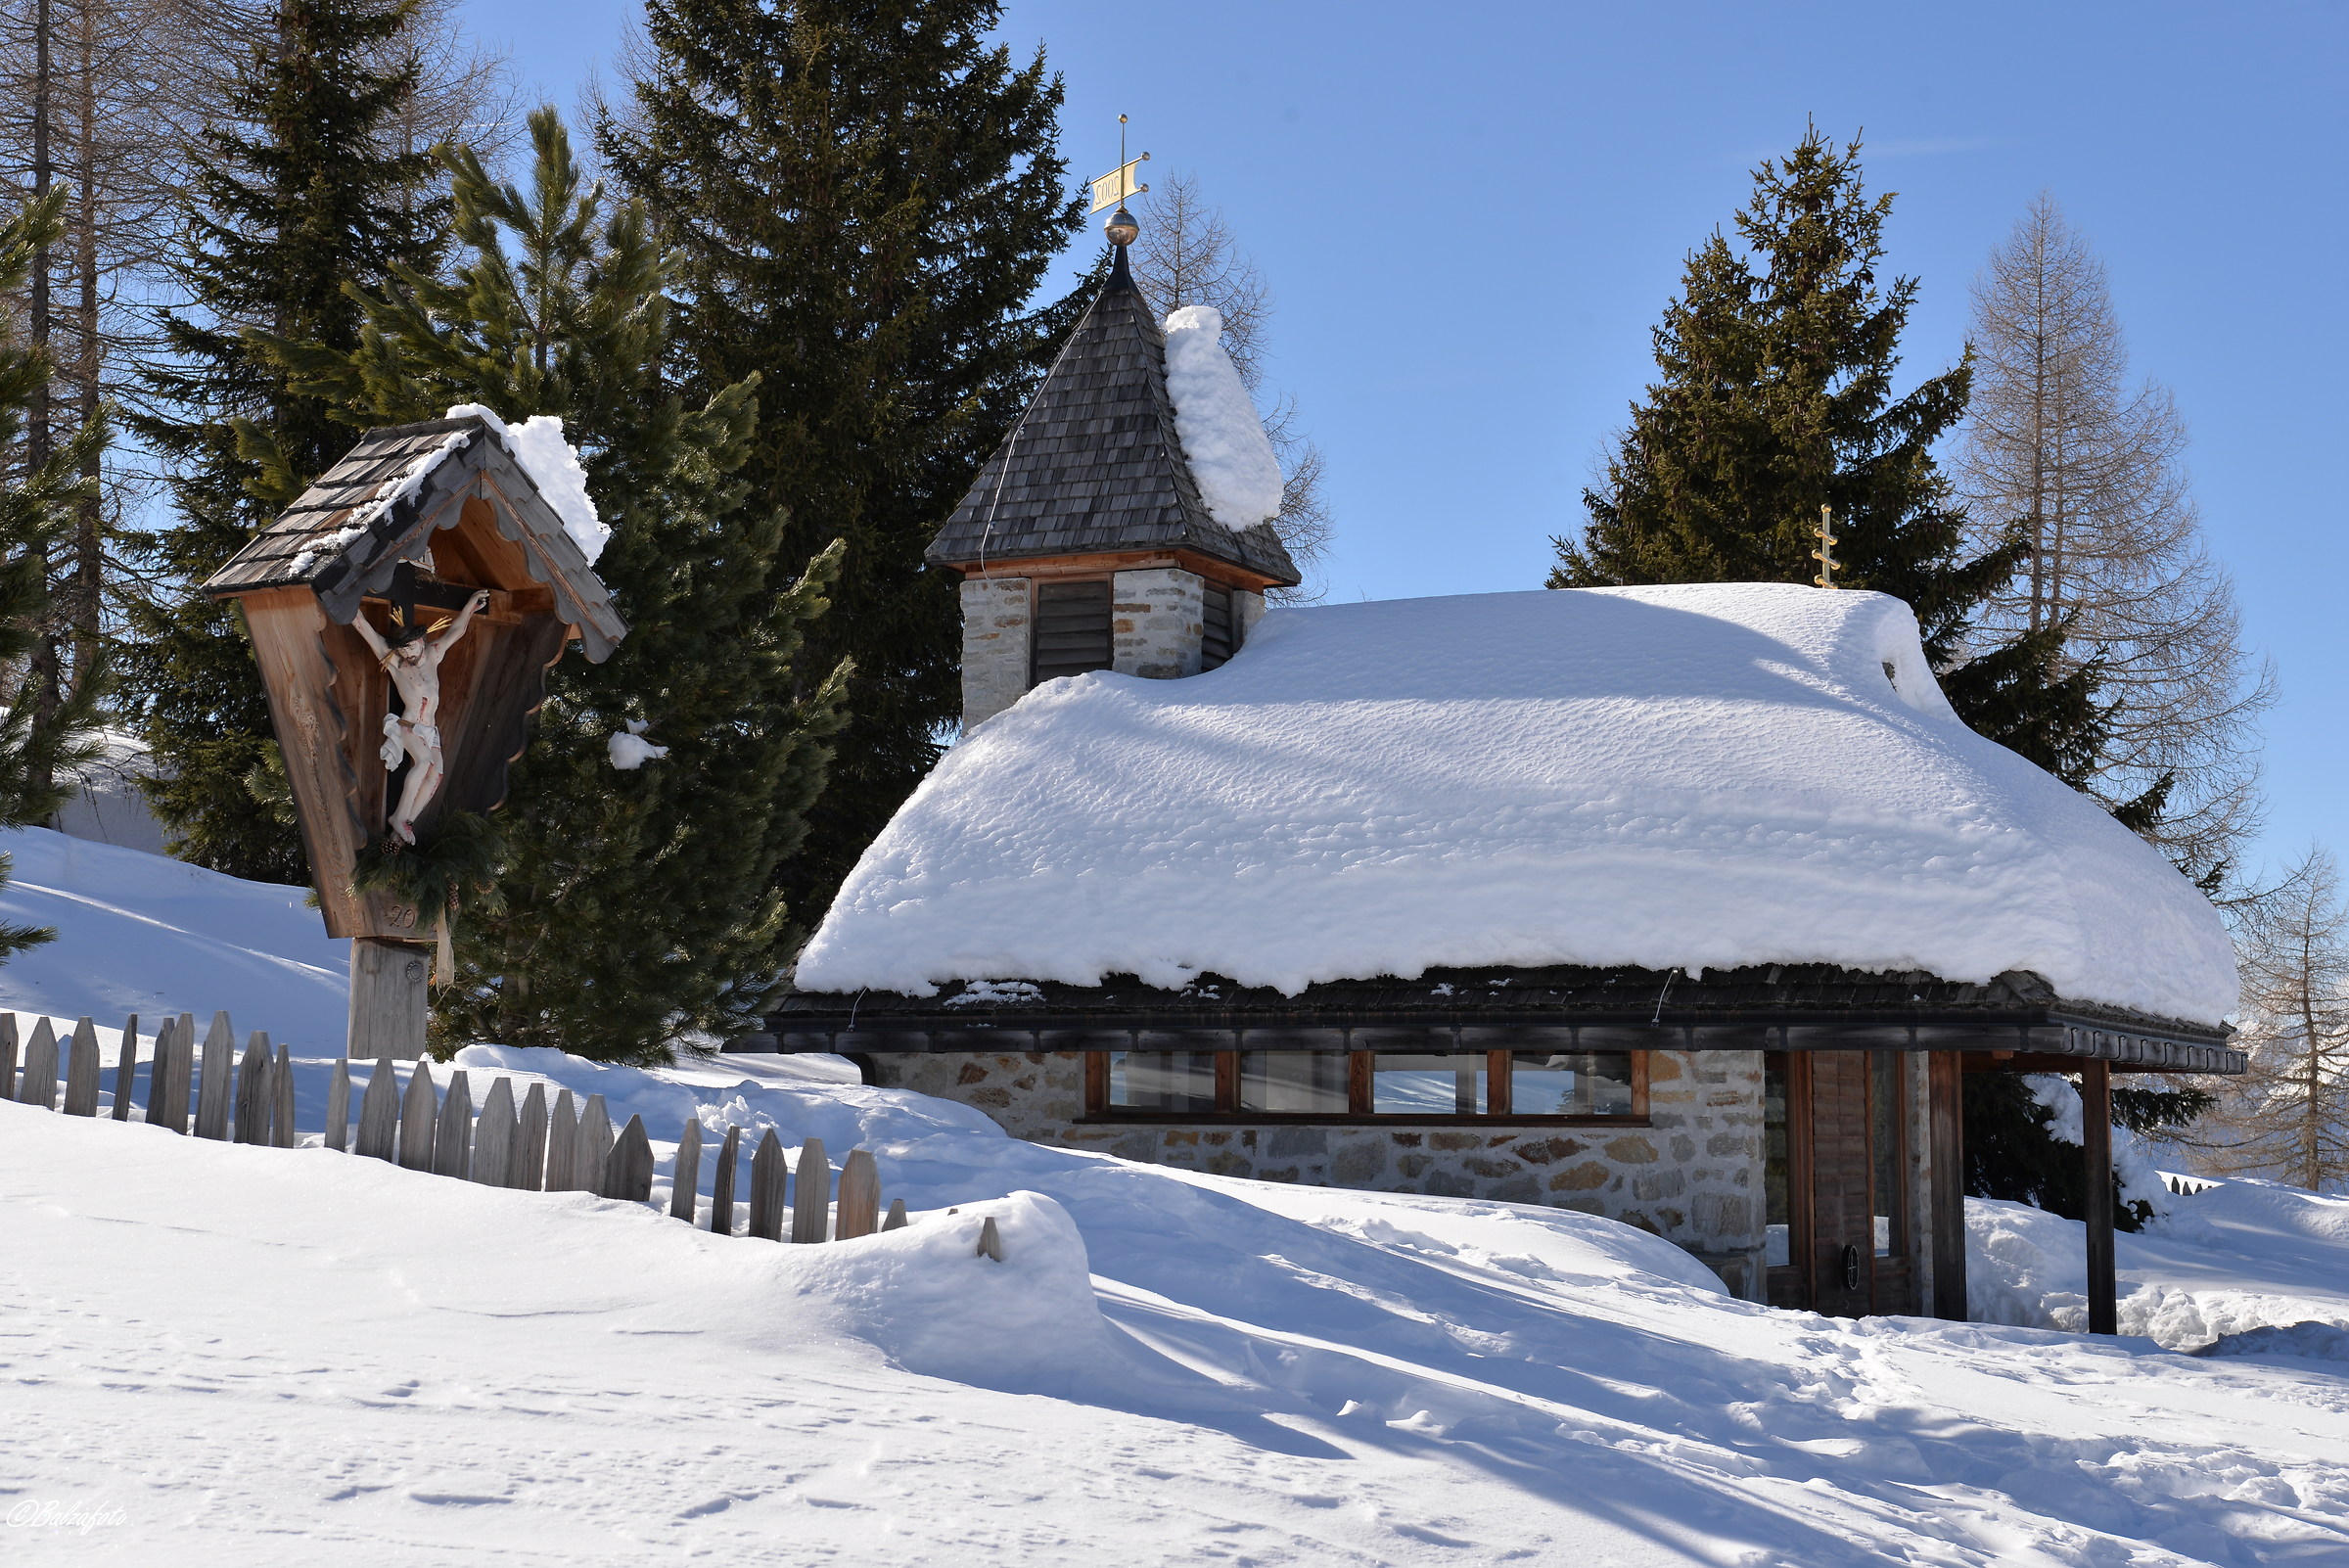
(1570, 1083)
(1071, 633)
(1373, 1085)
(1215, 624)
(1163, 1081)
(1404, 1085)
(1294, 1082)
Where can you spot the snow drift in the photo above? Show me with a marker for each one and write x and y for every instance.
(1702, 776)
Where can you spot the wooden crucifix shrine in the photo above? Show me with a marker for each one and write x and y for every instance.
(436, 537)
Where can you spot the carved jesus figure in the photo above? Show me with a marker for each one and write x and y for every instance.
(411, 656)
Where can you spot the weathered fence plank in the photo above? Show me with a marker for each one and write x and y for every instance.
(283, 1134)
(82, 1070)
(378, 1112)
(593, 1146)
(215, 1082)
(768, 1171)
(337, 1107)
(562, 1142)
(628, 1168)
(493, 1136)
(685, 1176)
(860, 1196)
(722, 1192)
(527, 1167)
(811, 1193)
(418, 1109)
(452, 1141)
(8, 1056)
(896, 1215)
(40, 1067)
(127, 1070)
(167, 1080)
(991, 1240)
(253, 1095)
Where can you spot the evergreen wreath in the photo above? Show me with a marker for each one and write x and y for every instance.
(458, 859)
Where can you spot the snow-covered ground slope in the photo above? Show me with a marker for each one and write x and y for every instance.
(2238, 1255)
(255, 1355)
(1701, 776)
(140, 934)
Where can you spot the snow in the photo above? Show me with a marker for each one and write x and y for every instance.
(1701, 776)
(1223, 440)
(218, 1354)
(141, 933)
(2240, 1263)
(538, 445)
(241, 1354)
(629, 751)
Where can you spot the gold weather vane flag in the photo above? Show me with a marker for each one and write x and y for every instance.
(1113, 188)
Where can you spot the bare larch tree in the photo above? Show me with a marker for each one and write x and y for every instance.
(1188, 256)
(2288, 1118)
(2059, 438)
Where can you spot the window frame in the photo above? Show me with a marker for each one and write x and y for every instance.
(1360, 1081)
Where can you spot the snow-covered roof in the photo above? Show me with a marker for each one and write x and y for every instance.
(1098, 463)
(1703, 776)
(382, 503)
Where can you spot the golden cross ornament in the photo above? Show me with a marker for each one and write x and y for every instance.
(1824, 554)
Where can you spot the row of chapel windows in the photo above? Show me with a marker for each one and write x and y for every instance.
(1497, 1084)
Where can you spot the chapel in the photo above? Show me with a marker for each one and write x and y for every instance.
(1688, 907)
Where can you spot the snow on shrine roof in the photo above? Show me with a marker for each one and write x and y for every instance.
(1704, 777)
(382, 502)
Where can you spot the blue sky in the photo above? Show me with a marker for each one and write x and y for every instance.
(1471, 214)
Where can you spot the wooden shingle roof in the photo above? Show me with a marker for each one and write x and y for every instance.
(346, 534)
(1095, 465)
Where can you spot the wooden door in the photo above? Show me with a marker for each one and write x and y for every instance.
(1838, 1176)
(1842, 1217)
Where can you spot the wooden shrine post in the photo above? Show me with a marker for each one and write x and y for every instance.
(413, 525)
(389, 997)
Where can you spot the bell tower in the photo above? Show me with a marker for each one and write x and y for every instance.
(1086, 543)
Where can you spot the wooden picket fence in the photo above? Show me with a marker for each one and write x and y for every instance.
(531, 1145)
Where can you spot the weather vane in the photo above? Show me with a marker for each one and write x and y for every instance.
(1824, 554)
(1113, 188)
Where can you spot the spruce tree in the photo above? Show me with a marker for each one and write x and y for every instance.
(290, 200)
(44, 733)
(638, 904)
(1777, 397)
(861, 199)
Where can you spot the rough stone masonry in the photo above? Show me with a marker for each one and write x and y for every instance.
(1692, 1174)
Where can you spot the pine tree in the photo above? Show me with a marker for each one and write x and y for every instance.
(861, 198)
(291, 200)
(638, 904)
(1776, 398)
(44, 730)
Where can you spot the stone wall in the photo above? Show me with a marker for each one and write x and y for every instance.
(994, 646)
(1692, 1175)
(1158, 622)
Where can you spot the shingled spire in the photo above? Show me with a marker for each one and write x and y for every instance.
(1084, 544)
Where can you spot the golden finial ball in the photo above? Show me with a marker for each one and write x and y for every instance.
(1121, 228)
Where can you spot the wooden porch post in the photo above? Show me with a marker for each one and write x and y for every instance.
(1945, 1086)
(2095, 1132)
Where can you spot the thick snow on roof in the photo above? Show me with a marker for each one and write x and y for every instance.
(1706, 776)
(1222, 439)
